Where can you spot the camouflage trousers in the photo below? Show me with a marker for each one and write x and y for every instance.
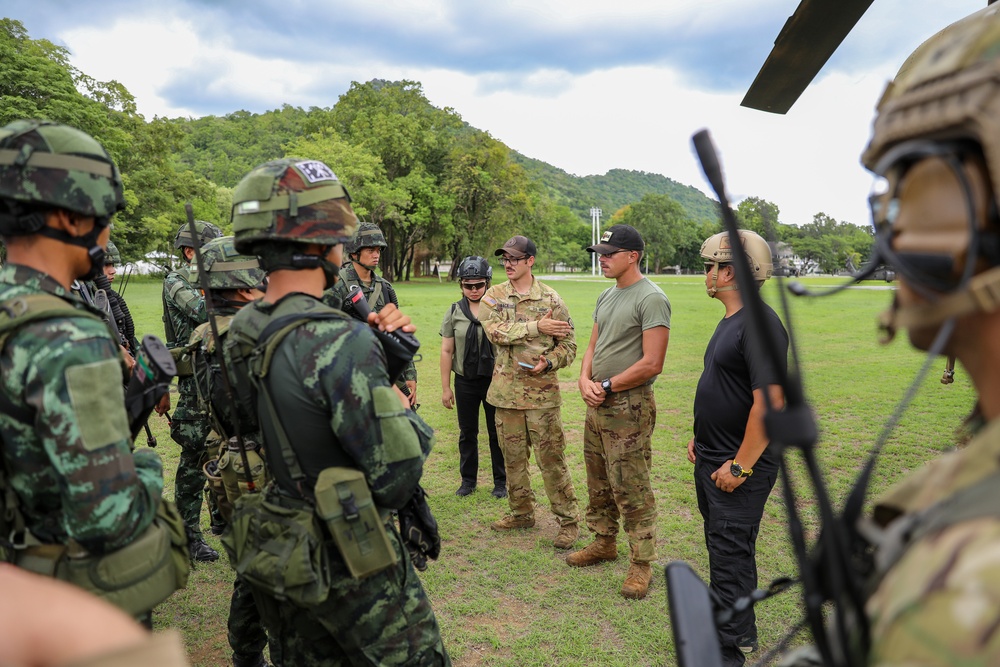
(246, 632)
(383, 619)
(522, 431)
(617, 450)
(189, 428)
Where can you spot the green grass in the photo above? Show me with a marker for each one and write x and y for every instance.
(510, 599)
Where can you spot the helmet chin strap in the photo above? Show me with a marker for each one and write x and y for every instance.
(88, 241)
(356, 258)
(982, 294)
(715, 289)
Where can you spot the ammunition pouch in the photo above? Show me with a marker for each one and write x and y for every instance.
(183, 360)
(344, 502)
(136, 577)
(233, 472)
(275, 543)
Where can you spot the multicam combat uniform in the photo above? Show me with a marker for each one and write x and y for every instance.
(65, 435)
(184, 307)
(336, 295)
(617, 438)
(329, 382)
(528, 416)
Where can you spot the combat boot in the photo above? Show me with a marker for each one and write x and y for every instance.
(201, 552)
(603, 548)
(637, 581)
(514, 521)
(567, 536)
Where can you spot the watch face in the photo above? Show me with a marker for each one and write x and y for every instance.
(736, 470)
(606, 385)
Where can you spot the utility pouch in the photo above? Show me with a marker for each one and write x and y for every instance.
(218, 488)
(183, 361)
(275, 543)
(344, 502)
(231, 469)
(136, 577)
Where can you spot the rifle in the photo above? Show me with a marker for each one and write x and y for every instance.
(400, 347)
(220, 359)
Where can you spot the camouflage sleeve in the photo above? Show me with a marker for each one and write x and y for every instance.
(186, 298)
(563, 354)
(502, 330)
(334, 297)
(74, 386)
(388, 442)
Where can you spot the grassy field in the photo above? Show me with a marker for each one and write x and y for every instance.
(511, 599)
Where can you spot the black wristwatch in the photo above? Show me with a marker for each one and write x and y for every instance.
(737, 470)
(606, 386)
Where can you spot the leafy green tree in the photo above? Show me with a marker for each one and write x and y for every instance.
(761, 216)
(665, 227)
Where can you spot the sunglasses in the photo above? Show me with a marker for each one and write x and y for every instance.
(473, 286)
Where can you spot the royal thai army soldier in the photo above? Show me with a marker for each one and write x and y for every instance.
(233, 281)
(364, 252)
(116, 302)
(532, 331)
(183, 311)
(340, 440)
(75, 498)
(626, 351)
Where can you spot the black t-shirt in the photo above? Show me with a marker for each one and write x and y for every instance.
(733, 369)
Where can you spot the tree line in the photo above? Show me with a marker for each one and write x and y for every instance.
(439, 188)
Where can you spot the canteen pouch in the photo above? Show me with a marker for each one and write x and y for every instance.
(218, 488)
(344, 502)
(275, 543)
(136, 577)
(231, 470)
(183, 361)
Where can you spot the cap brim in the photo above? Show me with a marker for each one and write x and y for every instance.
(603, 249)
(516, 254)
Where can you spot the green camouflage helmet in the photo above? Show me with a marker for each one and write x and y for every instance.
(206, 232)
(292, 200)
(112, 256)
(48, 163)
(368, 236)
(227, 268)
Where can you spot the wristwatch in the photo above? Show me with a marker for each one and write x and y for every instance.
(606, 386)
(737, 470)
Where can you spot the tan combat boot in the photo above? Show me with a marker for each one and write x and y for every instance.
(637, 581)
(567, 536)
(603, 548)
(514, 521)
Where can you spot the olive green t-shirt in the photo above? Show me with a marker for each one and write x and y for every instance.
(621, 316)
(456, 325)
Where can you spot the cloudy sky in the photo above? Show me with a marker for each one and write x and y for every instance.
(585, 85)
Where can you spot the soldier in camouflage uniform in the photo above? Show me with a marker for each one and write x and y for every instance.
(329, 383)
(936, 142)
(533, 333)
(625, 354)
(234, 280)
(364, 251)
(64, 433)
(183, 311)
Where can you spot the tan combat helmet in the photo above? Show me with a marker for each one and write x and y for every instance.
(718, 250)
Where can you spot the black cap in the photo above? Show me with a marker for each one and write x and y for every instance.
(618, 237)
(518, 247)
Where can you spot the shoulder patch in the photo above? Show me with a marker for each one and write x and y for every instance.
(315, 171)
(490, 300)
(97, 399)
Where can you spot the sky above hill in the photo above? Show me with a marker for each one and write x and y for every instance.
(586, 86)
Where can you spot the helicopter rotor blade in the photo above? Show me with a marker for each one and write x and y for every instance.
(807, 40)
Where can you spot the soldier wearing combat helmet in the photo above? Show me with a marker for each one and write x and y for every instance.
(64, 432)
(183, 311)
(325, 405)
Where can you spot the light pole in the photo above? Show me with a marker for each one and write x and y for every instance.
(595, 237)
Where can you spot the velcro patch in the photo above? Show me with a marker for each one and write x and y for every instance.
(398, 435)
(315, 171)
(490, 300)
(98, 401)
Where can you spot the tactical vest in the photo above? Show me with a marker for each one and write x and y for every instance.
(136, 577)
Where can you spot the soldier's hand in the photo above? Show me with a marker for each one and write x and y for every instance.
(724, 479)
(691, 455)
(539, 368)
(163, 407)
(403, 398)
(129, 360)
(554, 328)
(447, 398)
(592, 393)
(391, 318)
(412, 386)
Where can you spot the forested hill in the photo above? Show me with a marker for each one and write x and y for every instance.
(615, 189)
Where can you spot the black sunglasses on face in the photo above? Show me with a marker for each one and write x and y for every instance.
(473, 286)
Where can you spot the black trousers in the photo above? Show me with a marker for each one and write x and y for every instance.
(732, 521)
(469, 394)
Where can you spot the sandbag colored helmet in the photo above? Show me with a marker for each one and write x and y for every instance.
(475, 267)
(111, 255)
(55, 165)
(717, 248)
(292, 200)
(206, 232)
(367, 236)
(227, 268)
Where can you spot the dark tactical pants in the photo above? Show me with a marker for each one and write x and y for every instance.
(189, 428)
(469, 395)
(246, 631)
(384, 619)
(617, 450)
(520, 433)
(732, 521)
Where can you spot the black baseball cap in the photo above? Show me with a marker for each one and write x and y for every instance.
(618, 237)
(518, 247)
